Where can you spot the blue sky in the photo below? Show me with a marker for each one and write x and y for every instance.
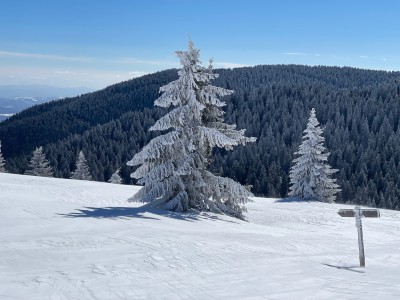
(97, 43)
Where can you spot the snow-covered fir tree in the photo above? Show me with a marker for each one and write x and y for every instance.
(82, 170)
(173, 166)
(39, 165)
(115, 178)
(2, 161)
(310, 175)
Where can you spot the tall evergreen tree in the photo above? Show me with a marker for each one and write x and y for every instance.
(115, 178)
(39, 165)
(310, 175)
(173, 166)
(2, 161)
(82, 170)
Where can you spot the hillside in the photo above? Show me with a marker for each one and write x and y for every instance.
(358, 109)
(67, 239)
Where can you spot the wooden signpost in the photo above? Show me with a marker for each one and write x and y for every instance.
(358, 213)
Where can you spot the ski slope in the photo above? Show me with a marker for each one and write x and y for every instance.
(67, 239)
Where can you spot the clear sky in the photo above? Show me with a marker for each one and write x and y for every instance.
(90, 43)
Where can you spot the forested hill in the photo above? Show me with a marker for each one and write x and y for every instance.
(358, 109)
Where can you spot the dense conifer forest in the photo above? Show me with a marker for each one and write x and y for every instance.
(359, 111)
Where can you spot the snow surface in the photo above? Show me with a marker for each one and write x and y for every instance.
(70, 239)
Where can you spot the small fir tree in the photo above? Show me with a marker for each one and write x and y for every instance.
(82, 170)
(310, 175)
(2, 161)
(39, 165)
(173, 166)
(115, 178)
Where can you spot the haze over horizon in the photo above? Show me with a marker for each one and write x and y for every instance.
(75, 43)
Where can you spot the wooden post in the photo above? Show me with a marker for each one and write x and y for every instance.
(358, 213)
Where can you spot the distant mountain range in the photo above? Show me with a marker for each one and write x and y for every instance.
(15, 98)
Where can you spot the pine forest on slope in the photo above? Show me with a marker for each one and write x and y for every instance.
(359, 111)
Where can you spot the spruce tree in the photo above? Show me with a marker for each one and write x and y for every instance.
(2, 161)
(115, 178)
(39, 165)
(173, 166)
(310, 175)
(82, 170)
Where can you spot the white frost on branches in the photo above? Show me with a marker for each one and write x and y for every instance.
(2, 161)
(173, 166)
(39, 165)
(82, 170)
(115, 178)
(310, 175)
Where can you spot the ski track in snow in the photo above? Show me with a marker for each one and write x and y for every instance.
(66, 239)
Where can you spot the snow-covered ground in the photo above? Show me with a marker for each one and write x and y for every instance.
(67, 239)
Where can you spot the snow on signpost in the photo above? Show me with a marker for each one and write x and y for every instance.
(358, 213)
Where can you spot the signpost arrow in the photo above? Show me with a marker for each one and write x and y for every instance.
(358, 213)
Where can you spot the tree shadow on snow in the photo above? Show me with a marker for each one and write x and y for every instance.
(348, 268)
(138, 212)
(108, 213)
